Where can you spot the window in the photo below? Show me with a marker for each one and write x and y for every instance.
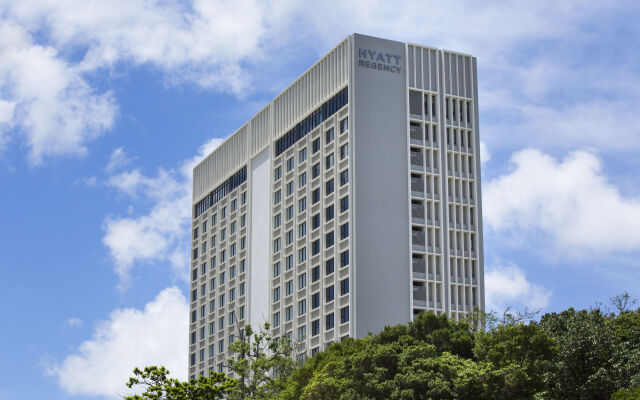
(315, 247)
(203, 311)
(315, 196)
(194, 339)
(289, 188)
(328, 187)
(344, 231)
(315, 145)
(344, 258)
(194, 274)
(315, 172)
(276, 269)
(302, 229)
(289, 262)
(234, 205)
(211, 350)
(194, 295)
(329, 322)
(232, 228)
(329, 161)
(202, 333)
(288, 313)
(344, 286)
(221, 323)
(195, 233)
(212, 328)
(195, 253)
(315, 221)
(328, 267)
(243, 198)
(204, 247)
(223, 212)
(344, 204)
(302, 204)
(214, 219)
(302, 155)
(344, 177)
(221, 346)
(276, 197)
(241, 313)
(232, 250)
(328, 294)
(315, 327)
(302, 255)
(242, 265)
(232, 272)
(276, 294)
(232, 294)
(344, 151)
(203, 289)
(223, 256)
(289, 212)
(289, 237)
(221, 300)
(302, 179)
(302, 333)
(204, 226)
(328, 136)
(328, 214)
(194, 316)
(290, 164)
(242, 288)
(213, 240)
(315, 351)
(289, 287)
(276, 245)
(222, 275)
(276, 221)
(315, 301)
(243, 242)
(302, 281)
(302, 307)
(232, 319)
(328, 239)
(344, 125)
(203, 268)
(193, 359)
(315, 274)
(212, 305)
(344, 315)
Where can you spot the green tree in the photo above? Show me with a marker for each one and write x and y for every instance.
(158, 386)
(261, 363)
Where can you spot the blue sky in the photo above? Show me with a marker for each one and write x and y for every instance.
(106, 106)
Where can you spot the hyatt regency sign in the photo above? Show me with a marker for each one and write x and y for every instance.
(379, 60)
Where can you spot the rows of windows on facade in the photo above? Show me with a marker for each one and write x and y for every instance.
(425, 181)
(219, 237)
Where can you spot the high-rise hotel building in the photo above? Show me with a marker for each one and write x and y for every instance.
(348, 203)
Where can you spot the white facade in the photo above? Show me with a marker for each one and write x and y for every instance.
(350, 202)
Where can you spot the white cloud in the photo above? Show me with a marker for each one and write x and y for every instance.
(129, 338)
(74, 323)
(571, 201)
(47, 98)
(508, 286)
(162, 234)
(485, 155)
(118, 159)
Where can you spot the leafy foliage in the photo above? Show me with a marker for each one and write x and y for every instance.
(158, 386)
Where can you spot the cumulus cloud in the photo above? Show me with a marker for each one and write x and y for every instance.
(129, 338)
(571, 201)
(162, 234)
(55, 109)
(508, 285)
(74, 323)
(118, 159)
